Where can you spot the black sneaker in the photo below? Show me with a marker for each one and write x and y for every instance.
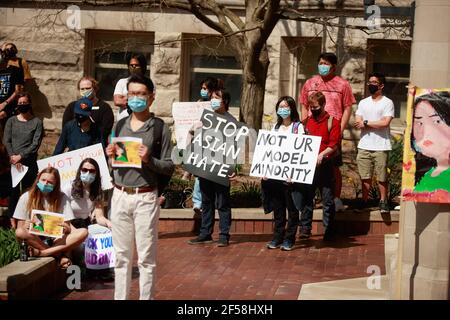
(287, 245)
(273, 244)
(222, 243)
(305, 234)
(384, 207)
(200, 240)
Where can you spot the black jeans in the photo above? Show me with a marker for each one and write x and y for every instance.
(281, 199)
(324, 180)
(215, 196)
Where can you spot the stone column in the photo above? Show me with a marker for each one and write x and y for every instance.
(423, 260)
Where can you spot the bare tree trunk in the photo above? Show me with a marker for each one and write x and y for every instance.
(253, 88)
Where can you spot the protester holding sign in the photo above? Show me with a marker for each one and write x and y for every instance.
(86, 200)
(22, 139)
(323, 125)
(81, 131)
(85, 195)
(278, 196)
(45, 195)
(134, 205)
(215, 195)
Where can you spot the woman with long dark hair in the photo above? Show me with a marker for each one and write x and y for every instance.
(86, 196)
(45, 194)
(430, 138)
(278, 195)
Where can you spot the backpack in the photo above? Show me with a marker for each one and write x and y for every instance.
(163, 179)
(295, 126)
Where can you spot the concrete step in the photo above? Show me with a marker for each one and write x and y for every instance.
(349, 289)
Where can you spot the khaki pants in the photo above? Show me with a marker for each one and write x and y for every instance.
(134, 220)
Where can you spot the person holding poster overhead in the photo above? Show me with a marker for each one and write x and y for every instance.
(45, 195)
(215, 195)
(323, 125)
(279, 196)
(134, 204)
(22, 139)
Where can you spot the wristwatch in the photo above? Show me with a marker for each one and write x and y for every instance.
(365, 123)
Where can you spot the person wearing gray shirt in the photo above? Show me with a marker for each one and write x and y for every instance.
(22, 139)
(134, 204)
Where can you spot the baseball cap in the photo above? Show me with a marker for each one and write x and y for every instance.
(83, 107)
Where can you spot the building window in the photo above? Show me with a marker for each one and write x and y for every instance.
(298, 63)
(107, 53)
(391, 58)
(210, 57)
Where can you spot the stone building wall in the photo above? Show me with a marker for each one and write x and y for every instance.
(56, 53)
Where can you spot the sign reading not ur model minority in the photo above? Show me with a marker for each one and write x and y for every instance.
(283, 156)
(216, 148)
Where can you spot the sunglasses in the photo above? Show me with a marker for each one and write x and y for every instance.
(84, 170)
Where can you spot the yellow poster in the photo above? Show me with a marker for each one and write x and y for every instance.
(426, 156)
(127, 152)
(48, 224)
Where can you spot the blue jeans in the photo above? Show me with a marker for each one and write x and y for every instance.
(196, 194)
(324, 180)
(215, 196)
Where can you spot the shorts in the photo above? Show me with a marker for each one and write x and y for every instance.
(370, 161)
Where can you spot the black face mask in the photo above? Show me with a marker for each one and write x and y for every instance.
(373, 88)
(23, 108)
(81, 119)
(316, 112)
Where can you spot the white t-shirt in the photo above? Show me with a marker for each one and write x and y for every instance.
(288, 129)
(21, 214)
(375, 139)
(81, 208)
(121, 88)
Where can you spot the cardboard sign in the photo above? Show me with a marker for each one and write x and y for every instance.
(17, 175)
(99, 251)
(283, 156)
(216, 148)
(185, 116)
(426, 146)
(48, 224)
(68, 163)
(127, 152)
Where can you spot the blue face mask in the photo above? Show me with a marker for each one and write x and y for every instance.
(45, 188)
(204, 94)
(284, 112)
(87, 177)
(215, 104)
(323, 69)
(137, 104)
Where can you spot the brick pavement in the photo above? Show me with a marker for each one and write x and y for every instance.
(246, 269)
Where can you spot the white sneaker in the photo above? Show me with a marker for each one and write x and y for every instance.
(338, 205)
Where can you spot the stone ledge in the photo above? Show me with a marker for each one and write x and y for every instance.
(258, 214)
(37, 278)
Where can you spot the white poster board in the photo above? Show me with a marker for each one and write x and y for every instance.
(185, 116)
(99, 251)
(17, 175)
(67, 164)
(283, 156)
